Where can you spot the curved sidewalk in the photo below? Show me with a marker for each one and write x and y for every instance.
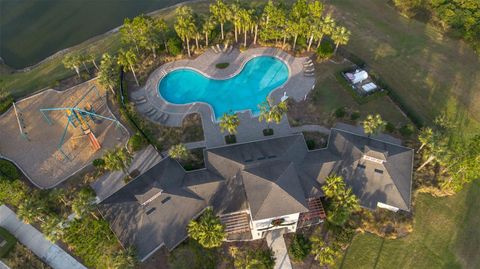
(34, 240)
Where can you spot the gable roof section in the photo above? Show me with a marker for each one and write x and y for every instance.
(273, 190)
(376, 171)
(163, 220)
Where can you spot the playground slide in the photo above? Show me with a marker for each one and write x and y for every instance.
(94, 141)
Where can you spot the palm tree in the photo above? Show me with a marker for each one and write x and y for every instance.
(73, 62)
(434, 147)
(221, 13)
(155, 34)
(32, 210)
(333, 184)
(207, 28)
(340, 36)
(245, 22)
(235, 18)
(229, 123)
(118, 160)
(53, 228)
(374, 125)
(108, 72)
(128, 59)
(315, 10)
(91, 58)
(342, 200)
(324, 254)
(185, 25)
(269, 113)
(84, 203)
(326, 27)
(207, 230)
(179, 152)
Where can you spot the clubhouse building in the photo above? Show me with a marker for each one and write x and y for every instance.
(257, 187)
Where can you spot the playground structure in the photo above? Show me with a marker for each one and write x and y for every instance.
(82, 118)
(54, 134)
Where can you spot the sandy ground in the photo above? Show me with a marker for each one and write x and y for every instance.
(37, 154)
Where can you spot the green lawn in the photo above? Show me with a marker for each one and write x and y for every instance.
(446, 235)
(431, 72)
(34, 30)
(11, 241)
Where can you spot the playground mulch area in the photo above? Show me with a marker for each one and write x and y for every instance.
(37, 152)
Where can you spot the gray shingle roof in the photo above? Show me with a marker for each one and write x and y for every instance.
(274, 189)
(272, 177)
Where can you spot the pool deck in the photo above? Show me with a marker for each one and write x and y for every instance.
(297, 87)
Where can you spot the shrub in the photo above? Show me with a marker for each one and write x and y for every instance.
(355, 115)
(174, 46)
(222, 65)
(310, 144)
(8, 170)
(407, 130)
(10, 242)
(137, 142)
(230, 139)
(340, 112)
(390, 127)
(299, 247)
(99, 163)
(268, 132)
(325, 51)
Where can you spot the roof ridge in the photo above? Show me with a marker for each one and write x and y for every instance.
(369, 137)
(395, 184)
(269, 191)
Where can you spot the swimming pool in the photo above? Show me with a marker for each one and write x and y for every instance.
(244, 91)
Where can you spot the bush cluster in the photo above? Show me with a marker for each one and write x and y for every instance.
(299, 247)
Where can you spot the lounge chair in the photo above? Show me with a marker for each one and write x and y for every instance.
(219, 49)
(307, 64)
(309, 70)
(165, 118)
(151, 112)
(230, 49)
(214, 50)
(140, 102)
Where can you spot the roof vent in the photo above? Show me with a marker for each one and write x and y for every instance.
(166, 200)
(379, 171)
(150, 211)
(361, 166)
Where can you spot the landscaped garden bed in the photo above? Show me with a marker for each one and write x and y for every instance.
(222, 65)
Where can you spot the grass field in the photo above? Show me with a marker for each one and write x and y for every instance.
(446, 235)
(33, 30)
(431, 72)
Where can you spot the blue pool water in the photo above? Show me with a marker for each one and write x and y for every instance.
(246, 90)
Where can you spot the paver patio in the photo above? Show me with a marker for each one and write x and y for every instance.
(296, 87)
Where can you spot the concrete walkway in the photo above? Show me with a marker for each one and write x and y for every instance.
(111, 182)
(276, 241)
(3, 266)
(26, 234)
